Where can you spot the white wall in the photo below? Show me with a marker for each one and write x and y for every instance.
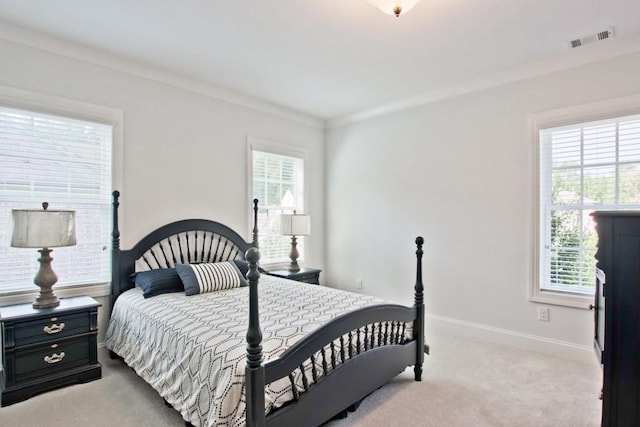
(459, 173)
(184, 152)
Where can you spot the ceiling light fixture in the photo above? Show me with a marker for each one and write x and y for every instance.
(394, 7)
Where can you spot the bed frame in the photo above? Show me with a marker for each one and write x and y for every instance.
(374, 337)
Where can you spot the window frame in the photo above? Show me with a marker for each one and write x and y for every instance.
(267, 146)
(595, 111)
(73, 109)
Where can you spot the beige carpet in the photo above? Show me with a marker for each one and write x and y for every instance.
(466, 382)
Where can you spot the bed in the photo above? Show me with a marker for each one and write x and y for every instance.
(307, 354)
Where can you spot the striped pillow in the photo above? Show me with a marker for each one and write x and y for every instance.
(209, 277)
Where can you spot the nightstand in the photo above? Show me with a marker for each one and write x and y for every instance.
(306, 275)
(44, 349)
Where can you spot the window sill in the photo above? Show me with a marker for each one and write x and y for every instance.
(22, 297)
(563, 299)
(274, 265)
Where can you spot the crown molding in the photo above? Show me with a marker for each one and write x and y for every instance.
(574, 58)
(32, 39)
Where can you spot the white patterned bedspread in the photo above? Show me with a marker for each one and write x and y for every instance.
(192, 349)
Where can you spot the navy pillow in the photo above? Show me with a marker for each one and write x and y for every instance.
(243, 266)
(160, 281)
(209, 277)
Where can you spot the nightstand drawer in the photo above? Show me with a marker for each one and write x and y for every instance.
(47, 359)
(313, 279)
(51, 328)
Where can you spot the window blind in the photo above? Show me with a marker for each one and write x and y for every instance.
(65, 162)
(278, 183)
(583, 167)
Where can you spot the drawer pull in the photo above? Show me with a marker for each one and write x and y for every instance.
(54, 358)
(54, 329)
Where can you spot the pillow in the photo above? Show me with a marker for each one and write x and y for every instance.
(159, 281)
(243, 266)
(209, 277)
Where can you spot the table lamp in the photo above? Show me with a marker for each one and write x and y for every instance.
(294, 225)
(44, 229)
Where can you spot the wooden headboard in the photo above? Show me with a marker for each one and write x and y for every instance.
(188, 241)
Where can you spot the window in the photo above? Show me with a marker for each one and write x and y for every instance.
(66, 162)
(277, 181)
(583, 167)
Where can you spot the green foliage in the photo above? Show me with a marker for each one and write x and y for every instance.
(573, 239)
(572, 249)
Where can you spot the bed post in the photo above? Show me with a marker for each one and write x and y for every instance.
(254, 371)
(255, 223)
(115, 250)
(418, 326)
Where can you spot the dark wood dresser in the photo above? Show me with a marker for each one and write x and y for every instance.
(617, 315)
(44, 349)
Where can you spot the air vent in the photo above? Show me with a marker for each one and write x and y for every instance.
(599, 36)
(603, 35)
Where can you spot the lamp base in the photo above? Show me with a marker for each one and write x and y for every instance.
(45, 279)
(46, 301)
(293, 268)
(293, 265)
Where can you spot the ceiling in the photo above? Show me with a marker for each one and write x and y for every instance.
(335, 58)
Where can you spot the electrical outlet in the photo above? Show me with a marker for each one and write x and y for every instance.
(358, 283)
(543, 314)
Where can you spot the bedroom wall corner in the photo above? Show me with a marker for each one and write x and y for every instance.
(458, 172)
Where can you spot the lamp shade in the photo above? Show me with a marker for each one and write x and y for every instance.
(394, 7)
(43, 228)
(295, 224)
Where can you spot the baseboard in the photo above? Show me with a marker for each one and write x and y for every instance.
(540, 344)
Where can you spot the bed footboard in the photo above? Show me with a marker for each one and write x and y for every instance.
(348, 383)
(339, 363)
